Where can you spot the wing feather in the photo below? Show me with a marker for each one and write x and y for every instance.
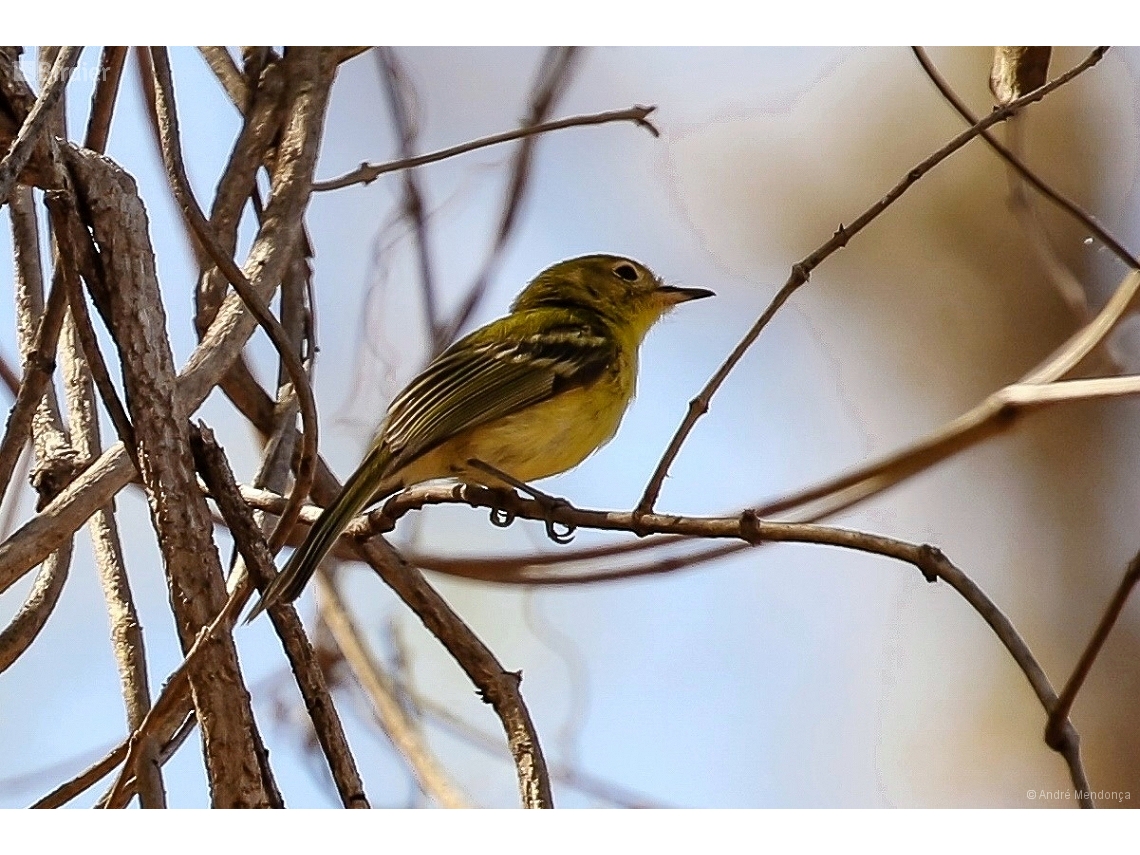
(491, 374)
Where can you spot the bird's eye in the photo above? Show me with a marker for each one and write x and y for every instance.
(627, 272)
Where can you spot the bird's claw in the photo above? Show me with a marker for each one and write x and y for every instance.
(501, 518)
(550, 505)
(560, 537)
(560, 533)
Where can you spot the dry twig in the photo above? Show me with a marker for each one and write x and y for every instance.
(801, 271)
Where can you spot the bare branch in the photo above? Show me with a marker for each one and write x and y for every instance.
(103, 98)
(992, 416)
(554, 75)
(367, 173)
(86, 779)
(37, 120)
(399, 91)
(181, 519)
(176, 172)
(1057, 731)
(254, 549)
(801, 271)
(1054, 196)
(430, 775)
(79, 323)
(307, 92)
(39, 364)
(750, 528)
(228, 74)
(178, 726)
(31, 617)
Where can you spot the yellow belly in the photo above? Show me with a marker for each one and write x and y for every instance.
(537, 442)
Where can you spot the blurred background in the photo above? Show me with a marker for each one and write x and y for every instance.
(790, 675)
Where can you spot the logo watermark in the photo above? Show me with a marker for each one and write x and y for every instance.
(1074, 795)
(35, 71)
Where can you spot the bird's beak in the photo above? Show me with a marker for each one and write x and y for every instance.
(673, 295)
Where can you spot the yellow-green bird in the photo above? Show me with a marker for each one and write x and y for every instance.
(531, 394)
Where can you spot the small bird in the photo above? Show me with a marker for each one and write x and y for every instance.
(530, 395)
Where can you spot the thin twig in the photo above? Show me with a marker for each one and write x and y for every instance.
(1055, 730)
(66, 223)
(398, 88)
(554, 75)
(38, 369)
(103, 98)
(801, 271)
(86, 779)
(40, 602)
(576, 779)
(280, 448)
(1042, 187)
(55, 458)
(254, 549)
(228, 74)
(185, 728)
(992, 416)
(367, 173)
(236, 187)
(48, 434)
(429, 773)
(750, 528)
(97, 771)
(237, 184)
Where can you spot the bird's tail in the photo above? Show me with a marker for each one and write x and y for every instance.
(360, 490)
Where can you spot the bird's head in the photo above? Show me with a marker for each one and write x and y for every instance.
(623, 292)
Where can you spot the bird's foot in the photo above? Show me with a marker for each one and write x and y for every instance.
(561, 533)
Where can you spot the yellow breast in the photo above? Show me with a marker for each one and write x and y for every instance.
(539, 441)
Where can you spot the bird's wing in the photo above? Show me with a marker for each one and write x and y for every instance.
(488, 375)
